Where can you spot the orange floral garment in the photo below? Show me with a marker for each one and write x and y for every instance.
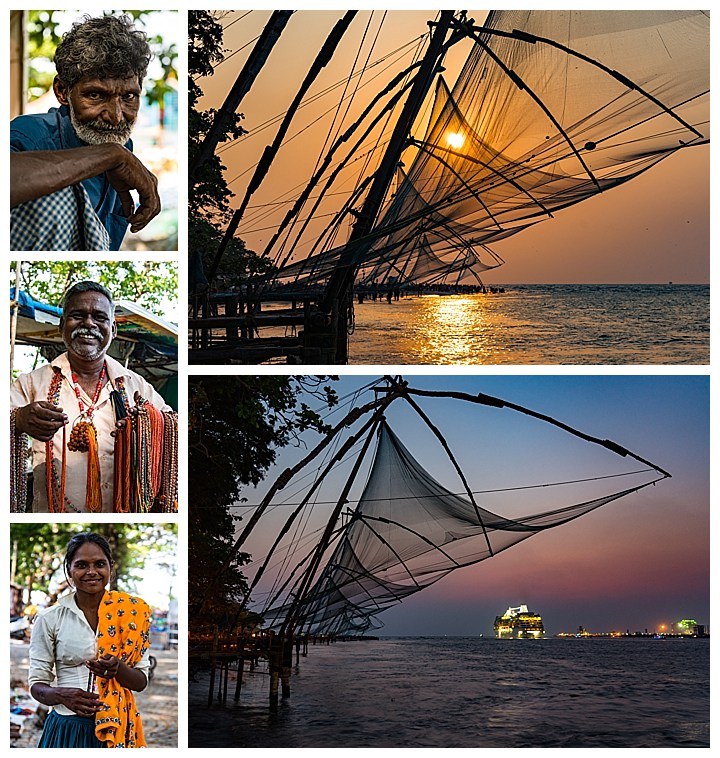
(123, 631)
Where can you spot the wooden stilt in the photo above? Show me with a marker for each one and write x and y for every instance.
(275, 662)
(226, 676)
(238, 683)
(285, 681)
(274, 680)
(213, 658)
(221, 667)
(286, 667)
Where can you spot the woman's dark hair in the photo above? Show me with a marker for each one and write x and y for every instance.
(108, 47)
(82, 539)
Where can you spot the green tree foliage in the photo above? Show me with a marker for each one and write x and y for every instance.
(237, 264)
(236, 424)
(149, 284)
(209, 195)
(157, 88)
(38, 551)
(37, 554)
(43, 38)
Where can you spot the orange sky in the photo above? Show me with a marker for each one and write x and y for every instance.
(655, 229)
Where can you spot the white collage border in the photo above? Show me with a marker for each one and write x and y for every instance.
(185, 371)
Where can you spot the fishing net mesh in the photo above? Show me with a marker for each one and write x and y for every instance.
(407, 532)
(576, 103)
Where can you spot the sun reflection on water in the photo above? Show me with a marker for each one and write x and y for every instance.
(456, 329)
(440, 330)
(536, 324)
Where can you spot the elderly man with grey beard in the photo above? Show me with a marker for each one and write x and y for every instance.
(82, 384)
(72, 169)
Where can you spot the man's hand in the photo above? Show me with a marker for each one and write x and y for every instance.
(131, 174)
(38, 173)
(40, 420)
(120, 423)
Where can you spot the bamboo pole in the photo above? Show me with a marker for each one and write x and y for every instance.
(341, 282)
(242, 86)
(213, 658)
(240, 671)
(278, 484)
(495, 402)
(14, 309)
(454, 462)
(290, 621)
(348, 444)
(322, 59)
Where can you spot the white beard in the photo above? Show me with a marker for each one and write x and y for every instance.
(97, 133)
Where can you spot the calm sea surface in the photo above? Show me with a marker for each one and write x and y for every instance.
(471, 692)
(540, 324)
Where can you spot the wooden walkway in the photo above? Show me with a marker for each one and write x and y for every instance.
(234, 328)
(232, 652)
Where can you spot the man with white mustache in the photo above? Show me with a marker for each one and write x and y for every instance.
(71, 169)
(87, 377)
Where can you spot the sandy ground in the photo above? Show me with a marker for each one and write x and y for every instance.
(157, 704)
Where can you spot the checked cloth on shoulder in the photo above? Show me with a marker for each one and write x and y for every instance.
(64, 220)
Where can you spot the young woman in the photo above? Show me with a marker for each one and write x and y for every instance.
(89, 653)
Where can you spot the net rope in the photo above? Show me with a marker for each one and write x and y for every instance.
(575, 103)
(407, 532)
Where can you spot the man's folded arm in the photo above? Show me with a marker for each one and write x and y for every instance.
(37, 173)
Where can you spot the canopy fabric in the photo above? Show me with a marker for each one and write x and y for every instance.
(145, 342)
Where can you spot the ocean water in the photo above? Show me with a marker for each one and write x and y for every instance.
(539, 324)
(460, 692)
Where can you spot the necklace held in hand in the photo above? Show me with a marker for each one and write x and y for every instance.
(80, 436)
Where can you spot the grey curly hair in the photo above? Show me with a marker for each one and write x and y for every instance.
(102, 48)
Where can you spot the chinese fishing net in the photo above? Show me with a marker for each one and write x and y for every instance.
(407, 532)
(550, 108)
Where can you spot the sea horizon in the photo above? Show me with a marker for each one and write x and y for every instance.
(561, 324)
(599, 284)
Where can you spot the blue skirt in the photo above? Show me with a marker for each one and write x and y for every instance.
(69, 731)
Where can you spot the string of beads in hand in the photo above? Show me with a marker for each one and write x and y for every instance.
(80, 437)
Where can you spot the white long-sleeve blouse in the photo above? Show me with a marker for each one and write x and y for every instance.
(62, 640)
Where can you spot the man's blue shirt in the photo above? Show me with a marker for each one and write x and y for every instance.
(53, 131)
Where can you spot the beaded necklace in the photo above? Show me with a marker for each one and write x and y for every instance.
(18, 466)
(146, 461)
(81, 432)
(55, 486)
(83, 438)
(168, 498)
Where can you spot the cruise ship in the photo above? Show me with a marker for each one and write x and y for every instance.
(520, 623)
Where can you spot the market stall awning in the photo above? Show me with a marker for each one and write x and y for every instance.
(145, 342)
